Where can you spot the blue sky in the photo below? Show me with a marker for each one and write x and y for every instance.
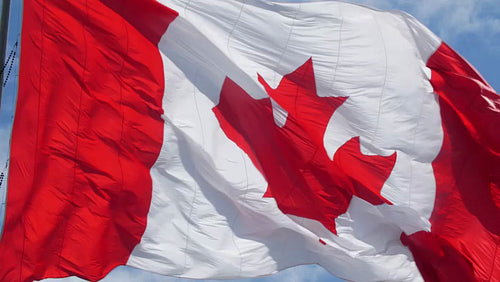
(472, 27)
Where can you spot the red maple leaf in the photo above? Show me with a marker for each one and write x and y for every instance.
(300, 175)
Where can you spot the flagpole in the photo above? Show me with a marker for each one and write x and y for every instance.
(4, 29)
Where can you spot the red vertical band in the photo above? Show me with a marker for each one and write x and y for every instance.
(87, 130)
(464, 243)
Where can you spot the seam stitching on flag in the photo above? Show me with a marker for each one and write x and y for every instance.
(42, 23)
(295, 188)
(196, 186)
(120, 79)
(246, 175)
(198, 114)
(185, 8)
(412, 35)
(287, 42)
(242, 155)
(237, 214)
(334, 78)
(84, 69)
(410, 182)
(233, 29)
(385, 80)
(234, 243)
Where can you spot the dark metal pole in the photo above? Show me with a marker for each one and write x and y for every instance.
(4, 30)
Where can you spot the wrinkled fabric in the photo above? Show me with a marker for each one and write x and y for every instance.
(229, 139)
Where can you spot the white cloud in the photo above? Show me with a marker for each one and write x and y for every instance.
(69, 279)
(312, 273)
(459, 16)
(124, 274)
(302, 273)
(449, 18)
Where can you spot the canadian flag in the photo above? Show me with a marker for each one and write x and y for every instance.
(226, 139)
